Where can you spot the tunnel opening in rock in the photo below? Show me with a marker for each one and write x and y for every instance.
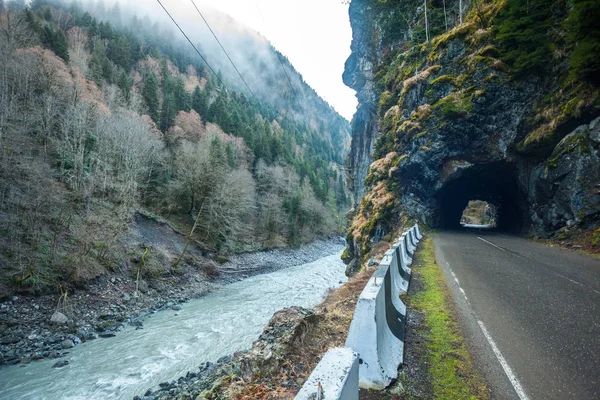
(495, 184)
(479, 213)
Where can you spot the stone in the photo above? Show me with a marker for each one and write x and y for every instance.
(67, 344)
(10, 339)
(126, 297)
(59, 318)
(60, 364)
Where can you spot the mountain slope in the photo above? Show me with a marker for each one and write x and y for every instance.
(99, 122)
(499, 105)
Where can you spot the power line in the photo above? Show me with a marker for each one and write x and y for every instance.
(197, 51)
(222, 48)
(280, 60)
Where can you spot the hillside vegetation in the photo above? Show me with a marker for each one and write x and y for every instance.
(100, 120)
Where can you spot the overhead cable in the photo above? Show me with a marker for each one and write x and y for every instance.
(222, 48)
(188, 39)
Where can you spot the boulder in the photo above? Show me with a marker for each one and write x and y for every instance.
(59, 318)
(60, 364)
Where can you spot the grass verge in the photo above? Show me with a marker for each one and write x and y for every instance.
(450, 370)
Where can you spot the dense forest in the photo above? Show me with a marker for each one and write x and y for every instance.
(101, 119)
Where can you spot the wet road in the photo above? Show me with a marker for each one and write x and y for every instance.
(531, 313)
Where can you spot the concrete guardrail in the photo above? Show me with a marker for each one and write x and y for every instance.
(399, 267)
(410, 246)
(376, 332)
(404, 249)
(335, 377)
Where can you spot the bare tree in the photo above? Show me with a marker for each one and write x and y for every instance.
(426, 24)
(78, 55)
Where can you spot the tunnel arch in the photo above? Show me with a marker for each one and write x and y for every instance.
(495, 183)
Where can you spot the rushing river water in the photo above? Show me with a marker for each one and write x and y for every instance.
(216, 325)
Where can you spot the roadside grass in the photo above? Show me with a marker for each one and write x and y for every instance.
(451, 373)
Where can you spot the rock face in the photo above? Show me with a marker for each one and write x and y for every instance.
(358, 74)
(447, 121)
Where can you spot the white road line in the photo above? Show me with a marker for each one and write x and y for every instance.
(570, 280)
(507, 370)
(457, 282)
(490, 243)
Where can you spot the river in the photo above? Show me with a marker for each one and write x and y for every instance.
(174, 342)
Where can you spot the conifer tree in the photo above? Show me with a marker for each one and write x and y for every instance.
(199, 101)
(150, 95)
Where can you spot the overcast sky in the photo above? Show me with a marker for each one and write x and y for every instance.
(315, 35)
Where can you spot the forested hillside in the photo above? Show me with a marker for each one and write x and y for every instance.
(100, 120)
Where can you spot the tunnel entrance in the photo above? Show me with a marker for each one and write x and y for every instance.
(495, 184)
(479, 213)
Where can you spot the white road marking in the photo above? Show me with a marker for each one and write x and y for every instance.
(457, 282)
(507, 370)
(490, 243)
(570, 280)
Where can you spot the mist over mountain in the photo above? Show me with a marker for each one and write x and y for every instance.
(262, 66)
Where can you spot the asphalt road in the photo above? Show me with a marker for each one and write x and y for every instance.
(531, 313)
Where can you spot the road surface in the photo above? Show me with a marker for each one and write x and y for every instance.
(531, 313)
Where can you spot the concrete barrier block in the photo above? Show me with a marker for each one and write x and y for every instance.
(334, 378)
(404, 250)
(410, 247)
(399, 276)
(403, 269)
(377, 331)
(418, 232)
(412, 238)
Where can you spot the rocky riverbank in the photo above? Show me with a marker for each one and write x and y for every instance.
(48, 326)
(281, 336)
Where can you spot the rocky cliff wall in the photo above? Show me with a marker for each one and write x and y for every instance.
(461, 117)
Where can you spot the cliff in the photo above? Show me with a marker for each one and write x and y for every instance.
(495, 101)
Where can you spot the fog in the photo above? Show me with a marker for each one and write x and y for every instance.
(253, 54)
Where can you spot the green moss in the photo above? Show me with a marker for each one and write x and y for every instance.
(489, 51)
(575, 142)
(562, 236)
(457, 32)
(386, 101)
(595, 238)
(449, 363)
(400, 159)
(456, 105)
(449, 79)
(571, 108)
(490, 77)
(222, 259)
